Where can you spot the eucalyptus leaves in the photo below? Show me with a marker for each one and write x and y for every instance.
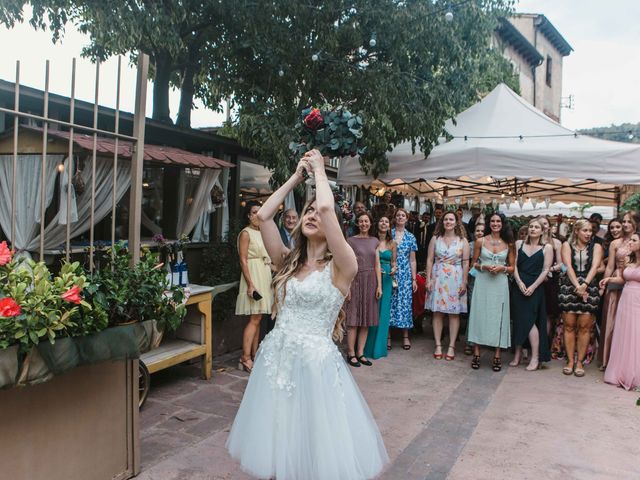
(336, 132)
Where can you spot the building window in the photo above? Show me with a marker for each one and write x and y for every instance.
(549, 67)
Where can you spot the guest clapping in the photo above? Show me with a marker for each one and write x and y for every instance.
(447, 270)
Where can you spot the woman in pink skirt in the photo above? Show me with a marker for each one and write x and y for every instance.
(623, 368)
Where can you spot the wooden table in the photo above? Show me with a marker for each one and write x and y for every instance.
(191, 340)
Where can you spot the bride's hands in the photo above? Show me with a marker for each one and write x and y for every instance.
(315, 161)
(303, 166)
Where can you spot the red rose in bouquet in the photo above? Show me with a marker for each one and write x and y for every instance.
(72, 295)
(9, 308)
(5, 253)
(314, 120)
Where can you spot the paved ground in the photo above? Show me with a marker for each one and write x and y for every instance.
(439, 420)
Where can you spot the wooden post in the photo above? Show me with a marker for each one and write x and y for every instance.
(137, 158)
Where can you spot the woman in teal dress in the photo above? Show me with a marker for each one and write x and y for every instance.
(377, 339)
(489, 318)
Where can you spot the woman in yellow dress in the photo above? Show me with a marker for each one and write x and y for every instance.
(254, 295)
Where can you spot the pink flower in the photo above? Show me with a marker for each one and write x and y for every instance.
(9, 307)
(72, 295)
(5, 253)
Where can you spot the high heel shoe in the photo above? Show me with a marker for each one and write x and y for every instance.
(497, 364)
(438, 356)
(450, 357)
(475, 362)
(242, 366)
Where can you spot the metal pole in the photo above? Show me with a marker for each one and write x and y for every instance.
(72, 108)
(115, 161)
(16, 125)
(137, 158)
(43, 173)
(93, 169)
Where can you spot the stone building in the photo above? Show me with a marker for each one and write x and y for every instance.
(536, 49)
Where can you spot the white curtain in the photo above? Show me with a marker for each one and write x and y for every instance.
(55, 233)
(62, 210)
(194, 198)
(28, 191)
(225, 205)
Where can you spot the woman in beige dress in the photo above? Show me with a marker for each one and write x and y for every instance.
(254, 295)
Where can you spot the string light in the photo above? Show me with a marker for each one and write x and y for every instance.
(281, 73)
(315, 57)
(448, 16)
(373, 42)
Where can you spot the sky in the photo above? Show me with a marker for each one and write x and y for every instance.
(602, 73)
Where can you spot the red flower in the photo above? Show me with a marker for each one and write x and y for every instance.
(314, 120)
(72, 295)
(5, 253)
(9, 307)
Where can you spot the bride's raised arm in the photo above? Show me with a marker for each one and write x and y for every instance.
(268, 228)
(345, 265)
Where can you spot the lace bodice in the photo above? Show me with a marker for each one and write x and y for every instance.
(304, 327)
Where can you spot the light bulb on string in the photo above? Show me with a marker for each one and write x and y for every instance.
(373, 42)
(281, 73)
(315, 57)
(448, 16)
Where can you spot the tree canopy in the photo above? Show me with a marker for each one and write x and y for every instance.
(405, 65)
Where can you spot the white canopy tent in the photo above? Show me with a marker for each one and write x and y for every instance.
(504, 146)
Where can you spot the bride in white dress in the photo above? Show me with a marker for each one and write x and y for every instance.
(302, 416)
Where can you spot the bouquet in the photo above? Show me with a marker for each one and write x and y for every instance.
(335, 132)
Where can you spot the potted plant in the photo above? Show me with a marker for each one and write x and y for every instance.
(139, 293)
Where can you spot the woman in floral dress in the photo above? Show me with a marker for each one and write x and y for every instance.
(447, 270)
(401, 302)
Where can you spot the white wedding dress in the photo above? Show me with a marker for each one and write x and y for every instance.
(302, 416)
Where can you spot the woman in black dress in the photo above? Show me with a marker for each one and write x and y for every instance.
(579, 293)
(533, 260)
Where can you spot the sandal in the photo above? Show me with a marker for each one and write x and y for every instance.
(388, 343)
(438, 356)
(579, 371)
(244, 367)
(353, 361)
(475, 362)
(497, 364)
(468, 350)
(405, 345)
(568, 370)
(363, 360)
(450, 357)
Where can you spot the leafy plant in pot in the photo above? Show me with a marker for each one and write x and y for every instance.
(136, 293)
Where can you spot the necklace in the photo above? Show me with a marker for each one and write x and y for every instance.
(493, 242)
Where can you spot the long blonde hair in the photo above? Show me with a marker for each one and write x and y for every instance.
(291, 264)
(579, 225)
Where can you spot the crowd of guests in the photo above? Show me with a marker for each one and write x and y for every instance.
(556, 291)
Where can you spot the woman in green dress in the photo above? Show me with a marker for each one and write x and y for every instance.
(533, 261)
(489, 318)
(377, 339)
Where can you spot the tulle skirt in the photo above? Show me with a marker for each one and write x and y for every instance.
(314, 425)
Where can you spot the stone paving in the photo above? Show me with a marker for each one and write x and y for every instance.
(438, 419)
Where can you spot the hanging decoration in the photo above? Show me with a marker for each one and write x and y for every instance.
(534, 202)
(469, 203)
(508, 201)
(547, 202)
(521, 201)
(494, 204)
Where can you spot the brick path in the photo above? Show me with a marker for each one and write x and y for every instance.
(438, 419)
